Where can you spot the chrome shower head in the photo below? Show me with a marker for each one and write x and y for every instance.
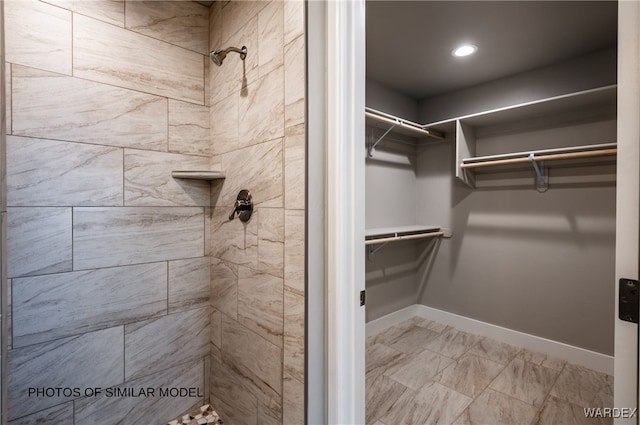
(218, 56)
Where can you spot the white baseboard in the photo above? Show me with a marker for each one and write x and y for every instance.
(580, 356)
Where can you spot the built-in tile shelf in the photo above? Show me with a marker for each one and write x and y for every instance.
(198, 175)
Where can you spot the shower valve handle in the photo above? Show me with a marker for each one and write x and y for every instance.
(243, 206)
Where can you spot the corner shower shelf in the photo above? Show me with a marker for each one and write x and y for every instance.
(198, 175)
(384, 235)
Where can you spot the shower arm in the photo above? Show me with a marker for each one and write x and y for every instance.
(242, 52)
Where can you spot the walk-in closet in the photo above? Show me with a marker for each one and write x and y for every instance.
(490, 211)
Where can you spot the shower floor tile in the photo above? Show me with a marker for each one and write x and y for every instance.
(420, 371)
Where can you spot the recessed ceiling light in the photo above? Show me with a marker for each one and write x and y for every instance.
(464, 50)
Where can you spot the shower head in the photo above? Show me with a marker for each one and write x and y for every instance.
(218, 56)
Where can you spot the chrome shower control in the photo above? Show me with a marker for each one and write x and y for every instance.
(243, 206)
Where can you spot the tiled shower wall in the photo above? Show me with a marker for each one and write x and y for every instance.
(257, 268)
(108, 256)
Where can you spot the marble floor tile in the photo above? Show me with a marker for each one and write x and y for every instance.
(434, 404)
(470, 375)
(382, 393)
(542, 359)
(584, 387)
(452, 343)
(380, 358)
(525, 381)
(429, 324)
(494, 350)
(390, 335)
(556, 411)
(421, 369)
(413, 340)
(495, 408)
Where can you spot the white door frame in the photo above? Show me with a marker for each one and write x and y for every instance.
(627, 201)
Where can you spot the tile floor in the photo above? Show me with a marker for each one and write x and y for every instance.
(423, 372)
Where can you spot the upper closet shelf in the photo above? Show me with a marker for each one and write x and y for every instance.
(385, 235)
(391, 123)
(198, 175)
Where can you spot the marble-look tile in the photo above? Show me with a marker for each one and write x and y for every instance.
(270, 37)
(104, 237)
(208, 215)
(7, 93)
(55, 106)
(271, 241)
(185, 24)
(293, 401)
(124, 60)
(153, 409)
(495, 408)
(148, 181)
(295, 82)
(542, 360)
(452, 343)
(294, 250)
(216, 328)
(233, 240)
(420, 370)
(556, 411)
(381, 393)
(237, 14)
(414, 340)
(470, 375)
(232, 401)
(86, 361)
(253, 352)
(224, 287)
(257, 168)
(294, 168)
(52, 173)
(429, 324)
(224, 126)
(381, 359)
(9, 313)
(261, 111)
(188, 128)
(215, 25)
(189, 284)
(38, 35)
(55, 415)
(584, 387)
(111, 11)
(391, 334)
(434, 404)
(260, 304)
(494, 350)
(54, 306)
(154, 345)
(525, 381)
(236, 74)
(294, 334)
(294, 20)
(38, 241)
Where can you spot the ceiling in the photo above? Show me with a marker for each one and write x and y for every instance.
(409, 43)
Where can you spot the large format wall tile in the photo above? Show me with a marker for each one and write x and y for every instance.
(253, 352)
(91, 360)
(260, 304)
(51, 173)
(135, 61)
(293, 20)
(261, 111)
(38, 35)
(38, 241)
(294, 224)
(294, 82)
(60, 414)
(270, 37)
(294, 334)
(188, 128)
(293, 401)
(233, 240)
(185, 23)
(236, 14)
(54, 306)
(154, 345)
(189, 284)
(111, 11)
(224, 287)
(148, 181)
(257, 168)
(145, 410)
(7, 101)
(224, 126)
(55, 106)
(271, 241)
(294, 168)
(104, 237)
(233, 402)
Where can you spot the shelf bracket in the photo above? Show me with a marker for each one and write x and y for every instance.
(541, 180)
(373, 250)
(372, 145)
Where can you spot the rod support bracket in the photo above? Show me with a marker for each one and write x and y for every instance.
(542, 183)
(372, 144)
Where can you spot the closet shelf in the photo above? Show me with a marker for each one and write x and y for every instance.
(198, 175)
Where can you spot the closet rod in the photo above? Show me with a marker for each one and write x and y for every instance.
(394, 121)
(403, 238)
(541, 157)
